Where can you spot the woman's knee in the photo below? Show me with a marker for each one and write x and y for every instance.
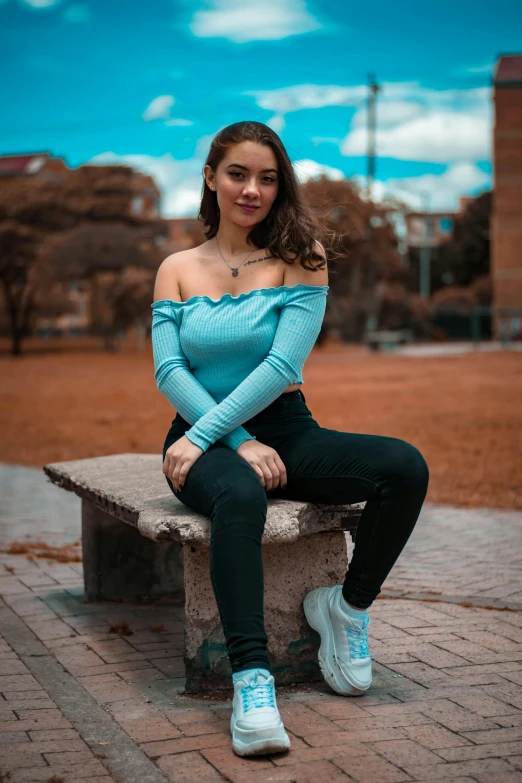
(244, 493)
(409, 465)
(242, 500)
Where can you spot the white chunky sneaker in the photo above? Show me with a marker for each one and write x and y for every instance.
(256, 724)
(344, 657)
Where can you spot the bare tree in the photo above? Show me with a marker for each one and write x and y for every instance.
(35, 209)
(18, 251)
(466, 255)
(368, 255)
(106, 254)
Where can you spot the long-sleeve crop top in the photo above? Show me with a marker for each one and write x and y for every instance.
(219, 362)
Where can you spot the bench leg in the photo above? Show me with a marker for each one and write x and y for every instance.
(119, 564)
(291, 570)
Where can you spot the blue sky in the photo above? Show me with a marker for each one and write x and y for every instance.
(150, 83)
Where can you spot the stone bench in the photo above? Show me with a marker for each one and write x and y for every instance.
(163, 550)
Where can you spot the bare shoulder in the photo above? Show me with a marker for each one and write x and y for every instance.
(168, 275)
(296, 273)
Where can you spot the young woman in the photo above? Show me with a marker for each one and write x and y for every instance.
(233, 323)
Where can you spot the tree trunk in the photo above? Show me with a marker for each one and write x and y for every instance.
(16, 341)
(12, 309)
(18, 306)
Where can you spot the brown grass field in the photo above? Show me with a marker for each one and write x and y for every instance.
(463, 412)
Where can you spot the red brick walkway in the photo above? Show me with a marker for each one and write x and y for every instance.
(85, 700)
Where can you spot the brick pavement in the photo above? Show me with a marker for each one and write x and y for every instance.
(29, 503)
(469, 554)
(95, 692)
(463, 554)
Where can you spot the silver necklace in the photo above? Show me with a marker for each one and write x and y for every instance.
(235, 269)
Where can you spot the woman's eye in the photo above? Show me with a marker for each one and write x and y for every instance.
(239, 174)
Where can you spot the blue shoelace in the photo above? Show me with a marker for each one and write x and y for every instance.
(358, 638)
(256, 694)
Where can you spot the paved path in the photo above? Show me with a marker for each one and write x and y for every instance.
(463, 554)
(32, 507)
(455, 348)
(466, 554)
(93, 692)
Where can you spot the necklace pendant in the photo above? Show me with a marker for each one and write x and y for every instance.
(235, 272)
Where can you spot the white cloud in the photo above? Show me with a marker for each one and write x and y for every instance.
(180, 181)
(460, 178)
(437, 136)
(242, 22)
(398, 94)
(421, 124)
(390, 114)
(317, 96)
(307, 96)
(159, 108)
(310, 169)
(433, 191)
(414, 122)
(77, 14)
(178, 121)
(41, 3)
(316, 140)
(277, 123)
(203, 144)
(486, 68)
(183, 201)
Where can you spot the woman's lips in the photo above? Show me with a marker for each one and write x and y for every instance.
(247, 208)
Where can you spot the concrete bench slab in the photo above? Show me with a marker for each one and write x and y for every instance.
(163, 550)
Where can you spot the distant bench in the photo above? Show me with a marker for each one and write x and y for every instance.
(387, 339)
(163, 550)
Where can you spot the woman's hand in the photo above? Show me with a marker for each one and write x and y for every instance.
(179, 459)
(266, 462)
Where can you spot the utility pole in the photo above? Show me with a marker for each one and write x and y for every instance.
(425, 249)
(425, 252)
(373, 89)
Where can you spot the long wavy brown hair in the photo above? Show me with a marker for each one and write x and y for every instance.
(290, 230)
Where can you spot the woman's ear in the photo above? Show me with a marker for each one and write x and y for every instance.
(209, 177)
(319, 249)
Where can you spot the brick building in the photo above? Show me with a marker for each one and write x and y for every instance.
(506, 224)
(428, 228)
(425, 233)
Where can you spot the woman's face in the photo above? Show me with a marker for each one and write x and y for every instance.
(246, 177)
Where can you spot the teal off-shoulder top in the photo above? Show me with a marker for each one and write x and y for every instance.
(219, 362)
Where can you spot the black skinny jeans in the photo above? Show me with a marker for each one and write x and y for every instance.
(323, 466)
